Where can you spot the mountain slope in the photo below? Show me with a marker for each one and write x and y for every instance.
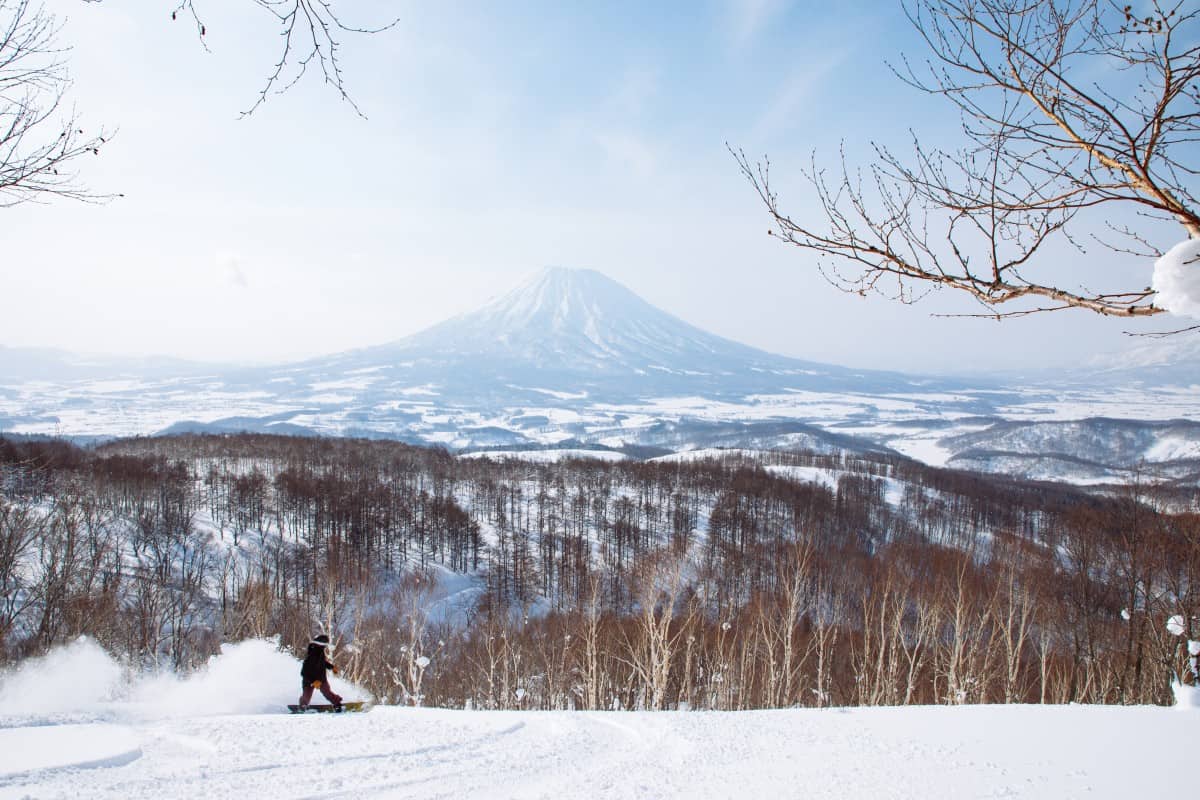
(578, 331)
(1088, 450)
(579, 320)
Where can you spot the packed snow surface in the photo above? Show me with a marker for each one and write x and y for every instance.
(245, 746)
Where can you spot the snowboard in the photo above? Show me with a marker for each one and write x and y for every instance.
(326, 708)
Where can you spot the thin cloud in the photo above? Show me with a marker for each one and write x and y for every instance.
(627, 150)
(793, 95)
(748, 17)
(633, 93)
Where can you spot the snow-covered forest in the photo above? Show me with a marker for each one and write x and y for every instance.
(742, 580)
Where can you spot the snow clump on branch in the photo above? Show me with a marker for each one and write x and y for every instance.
(1177, 279)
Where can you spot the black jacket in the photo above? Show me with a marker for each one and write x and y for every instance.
(315, 665)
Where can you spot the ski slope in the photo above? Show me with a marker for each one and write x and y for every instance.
(163, 737)
(927, 752)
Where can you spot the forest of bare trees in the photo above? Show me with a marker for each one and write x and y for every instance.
(726, 584)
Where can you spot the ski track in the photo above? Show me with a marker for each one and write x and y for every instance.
(981, 752)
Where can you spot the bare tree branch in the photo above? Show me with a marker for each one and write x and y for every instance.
(310, 30)
(1069, 107)
(40, 137)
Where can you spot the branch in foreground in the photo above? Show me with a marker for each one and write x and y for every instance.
(1074, 113)
(310, 31)
(893, 249)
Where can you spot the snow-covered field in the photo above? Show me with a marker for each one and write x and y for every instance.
(222, 733)
(547, 456)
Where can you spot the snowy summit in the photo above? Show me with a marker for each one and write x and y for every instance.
(581, 321)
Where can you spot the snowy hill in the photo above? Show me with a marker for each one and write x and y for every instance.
(1088, 450)
(1023, 752)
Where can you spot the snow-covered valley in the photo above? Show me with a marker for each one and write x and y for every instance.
(571, 359)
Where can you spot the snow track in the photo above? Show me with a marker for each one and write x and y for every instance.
(988, 751)
(28, 752)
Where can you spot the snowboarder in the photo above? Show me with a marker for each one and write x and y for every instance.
(313, 675)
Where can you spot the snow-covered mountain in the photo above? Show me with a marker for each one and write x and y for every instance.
(571, 358)
(566, 332)
(581, 321)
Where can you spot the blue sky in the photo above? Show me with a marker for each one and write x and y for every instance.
(500, 138)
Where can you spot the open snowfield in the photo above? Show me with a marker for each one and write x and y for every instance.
(222, 733)
(430, 753)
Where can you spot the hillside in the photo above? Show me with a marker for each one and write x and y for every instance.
(722, 580)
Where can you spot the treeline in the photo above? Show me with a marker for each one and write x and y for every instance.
(739, 582)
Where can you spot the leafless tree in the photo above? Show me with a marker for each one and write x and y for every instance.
(410, 601)
(591, 628)
(778, 623)
(1074, 113)
(20, 529)
(310, 31)
(41, 136)
(663, 622)
(978, 593)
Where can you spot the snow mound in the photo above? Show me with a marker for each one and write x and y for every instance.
(1186, 696)
(1177, 279)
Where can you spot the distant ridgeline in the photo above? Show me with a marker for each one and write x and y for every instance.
(744, 580)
